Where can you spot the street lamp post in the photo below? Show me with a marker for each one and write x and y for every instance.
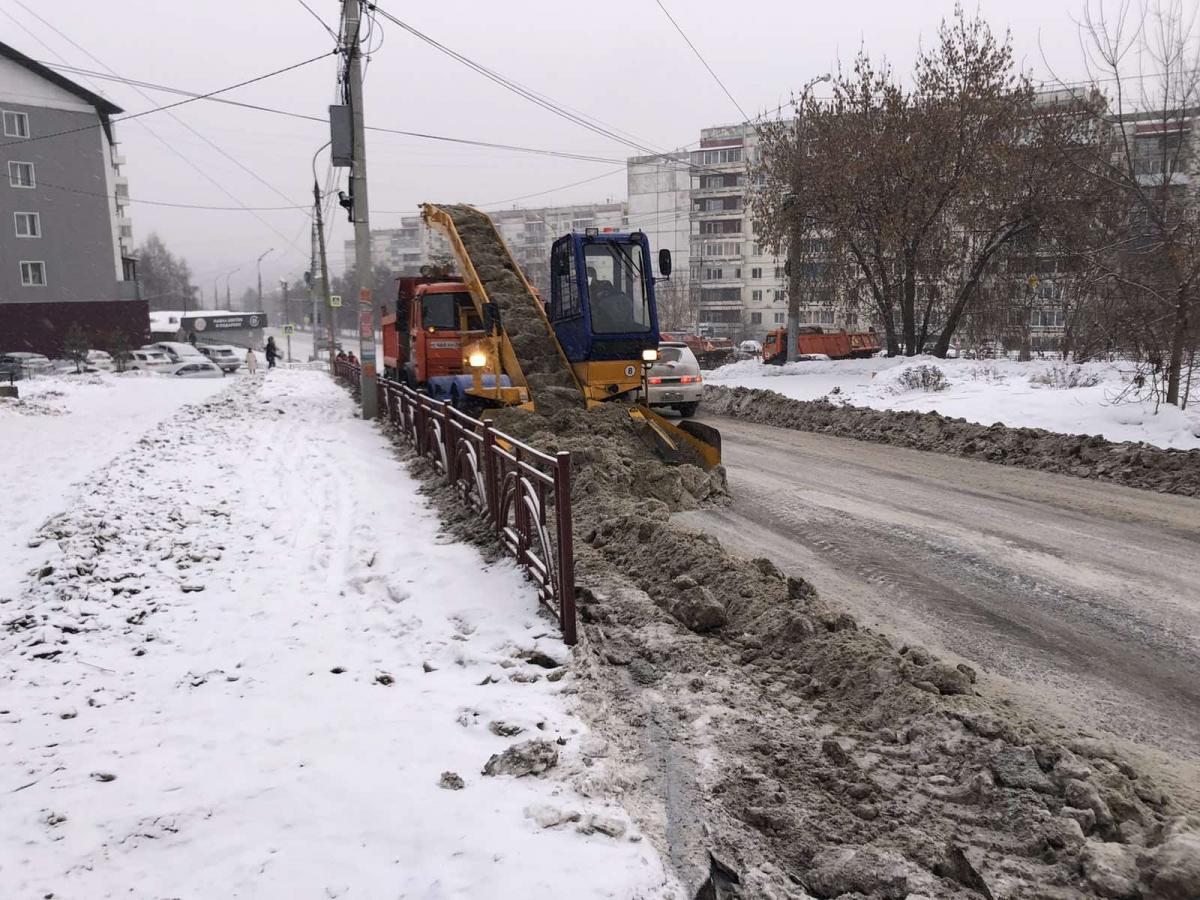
(260, 259)
(228, 275)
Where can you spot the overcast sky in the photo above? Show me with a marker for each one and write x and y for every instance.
(620, 61)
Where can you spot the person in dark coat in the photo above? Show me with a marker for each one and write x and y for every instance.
(271, 351)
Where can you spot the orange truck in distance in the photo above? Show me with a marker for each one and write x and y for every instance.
(813, 339)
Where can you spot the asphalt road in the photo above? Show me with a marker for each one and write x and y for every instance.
(1081, 595)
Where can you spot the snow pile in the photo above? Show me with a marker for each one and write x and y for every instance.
(1089, 398)
(245, 662)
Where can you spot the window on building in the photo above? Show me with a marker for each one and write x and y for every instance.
(721, 295)
(29, 224)
(720, 315)
(16, 124)
(780, 296)
(826, 317)
(713, 274)
(756, 296)
(20, 175)
(737, 273)
(1047, 318)
(779, 272)
(755, 250)
(33, 274)
(128, 269)
(721, 226)
(780, 318)
(851, 319)
(756, 318)
(756, 273)
(716, 157)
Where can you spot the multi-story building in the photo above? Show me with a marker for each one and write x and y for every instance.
(660, 189)
(69, 260)
(406, 249)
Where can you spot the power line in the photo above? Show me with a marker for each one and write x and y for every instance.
(518, 89)
(313, 13)
(703, 61)
(190, 99)
(179, 153)
(237, 162)
(122, 199)
(492, 145)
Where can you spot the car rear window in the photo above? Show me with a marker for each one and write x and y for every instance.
(670, 354)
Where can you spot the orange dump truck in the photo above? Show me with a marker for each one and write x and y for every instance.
(812, 339)
(427, 341)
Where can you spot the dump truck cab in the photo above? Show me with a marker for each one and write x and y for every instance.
(428, 342)
(602, 307)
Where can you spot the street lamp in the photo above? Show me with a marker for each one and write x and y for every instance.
(228, 275)
(260, 259)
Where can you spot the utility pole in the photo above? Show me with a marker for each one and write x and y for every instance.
(287, 317)
(330, 312)
(368, 312)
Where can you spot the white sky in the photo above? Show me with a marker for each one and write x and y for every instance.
(619, 61)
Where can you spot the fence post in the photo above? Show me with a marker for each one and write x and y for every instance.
(489, 471)
(448, 426)
(566, 546)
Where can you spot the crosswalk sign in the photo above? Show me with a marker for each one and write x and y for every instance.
(335, 301)
(289, 329)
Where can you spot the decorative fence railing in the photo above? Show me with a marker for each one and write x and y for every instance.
(523, 493)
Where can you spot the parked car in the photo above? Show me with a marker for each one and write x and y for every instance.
(149, 360)
(197, 368)
(226, 356)
(101, 360)
(29, 363)
(177, 351)
(10, 369)
(748, 350)
(675, 381)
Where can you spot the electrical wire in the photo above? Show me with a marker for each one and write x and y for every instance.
(190, 99)
(584, 157)
(313, 13)
(539, 100)
(175, 150)
(174, 205)
(703, 61)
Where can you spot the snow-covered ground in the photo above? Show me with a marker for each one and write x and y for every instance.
(1030, 394)
(240, 656)
(66, 427)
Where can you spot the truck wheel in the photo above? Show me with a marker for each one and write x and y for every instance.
(687, 410)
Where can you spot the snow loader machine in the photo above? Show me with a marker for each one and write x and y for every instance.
(590, 342)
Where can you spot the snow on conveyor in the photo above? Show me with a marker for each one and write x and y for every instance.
(244, 658)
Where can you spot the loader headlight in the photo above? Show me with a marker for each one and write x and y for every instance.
(650, 355)
(477, 360)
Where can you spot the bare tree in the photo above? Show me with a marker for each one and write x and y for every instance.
(1145, 59)
(922, 189)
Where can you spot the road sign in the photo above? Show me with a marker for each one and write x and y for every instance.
(335, 301)
(289, 329)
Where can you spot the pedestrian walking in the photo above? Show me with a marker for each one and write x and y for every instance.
(271, 352)
(251, 361)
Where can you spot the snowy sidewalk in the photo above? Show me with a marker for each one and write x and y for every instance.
(246, 657)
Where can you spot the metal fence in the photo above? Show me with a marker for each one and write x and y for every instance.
(523, 493)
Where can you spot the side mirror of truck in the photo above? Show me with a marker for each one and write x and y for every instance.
(664, 263)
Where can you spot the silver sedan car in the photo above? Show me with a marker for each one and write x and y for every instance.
(674, 381)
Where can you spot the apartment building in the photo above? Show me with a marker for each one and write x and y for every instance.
(697, 205)
(69, 257)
